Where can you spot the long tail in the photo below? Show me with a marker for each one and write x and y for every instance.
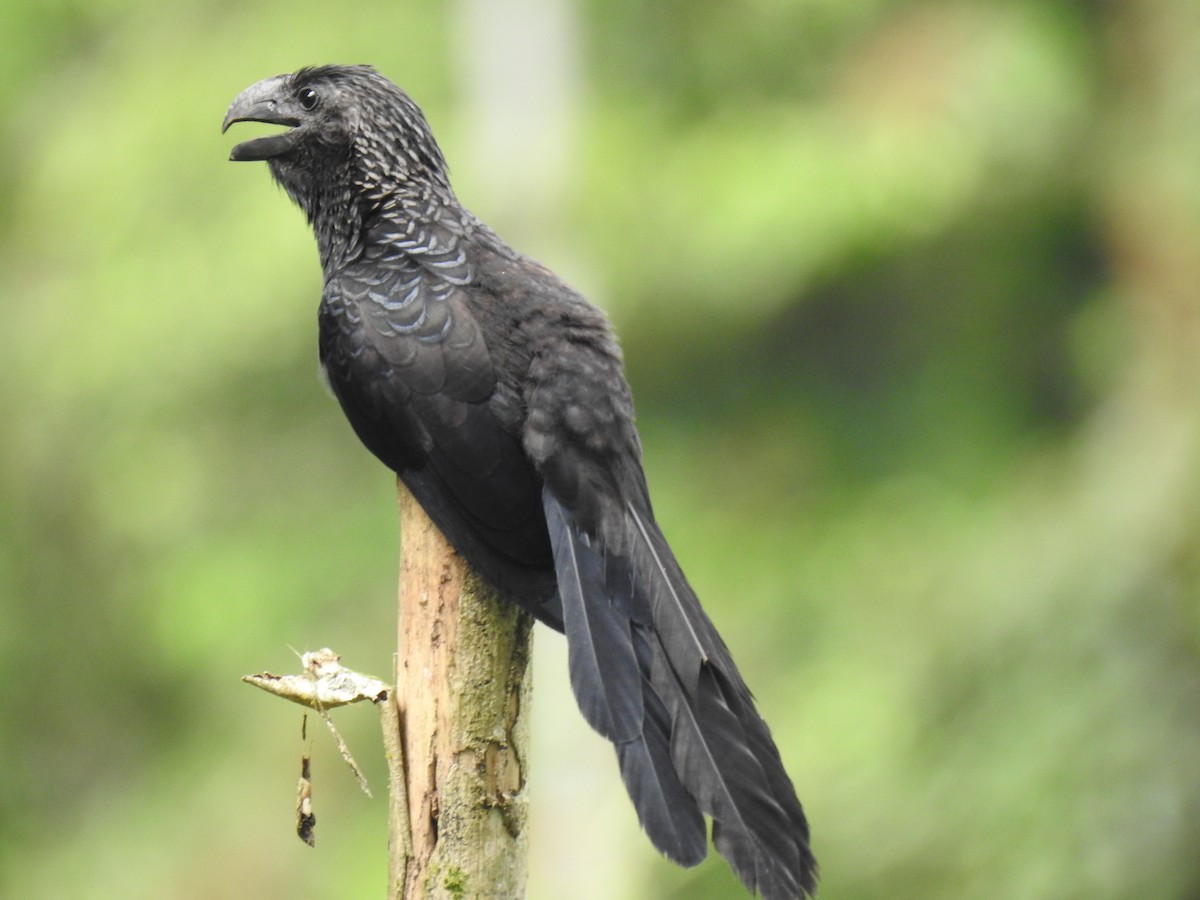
(651, 674)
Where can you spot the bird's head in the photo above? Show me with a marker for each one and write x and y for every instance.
(344, 123)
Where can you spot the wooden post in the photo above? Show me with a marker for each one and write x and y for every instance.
(463, 692)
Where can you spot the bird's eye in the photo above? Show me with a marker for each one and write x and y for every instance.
(308, 98)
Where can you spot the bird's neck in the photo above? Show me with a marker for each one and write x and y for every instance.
(420, 219)
(327, 197)
(338, 229)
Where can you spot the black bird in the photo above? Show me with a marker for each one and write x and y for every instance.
(497, 395)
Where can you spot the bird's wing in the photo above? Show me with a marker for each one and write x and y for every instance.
(407, 360)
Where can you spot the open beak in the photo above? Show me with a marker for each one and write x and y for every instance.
(267, 101)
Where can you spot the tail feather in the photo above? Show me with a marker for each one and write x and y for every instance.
(674, 622)
(777, 819)
(600, 658)
(609, 685)
(716, 761)
(757, 733)
(666, 809)
(688, 739)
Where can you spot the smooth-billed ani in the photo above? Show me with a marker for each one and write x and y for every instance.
(497, 395)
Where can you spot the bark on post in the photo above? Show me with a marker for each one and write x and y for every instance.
(463, 691)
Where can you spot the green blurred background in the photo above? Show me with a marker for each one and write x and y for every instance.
(909, 297)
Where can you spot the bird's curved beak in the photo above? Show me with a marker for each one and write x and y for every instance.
(267, 101)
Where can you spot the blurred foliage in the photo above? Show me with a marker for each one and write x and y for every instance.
(908, 293)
